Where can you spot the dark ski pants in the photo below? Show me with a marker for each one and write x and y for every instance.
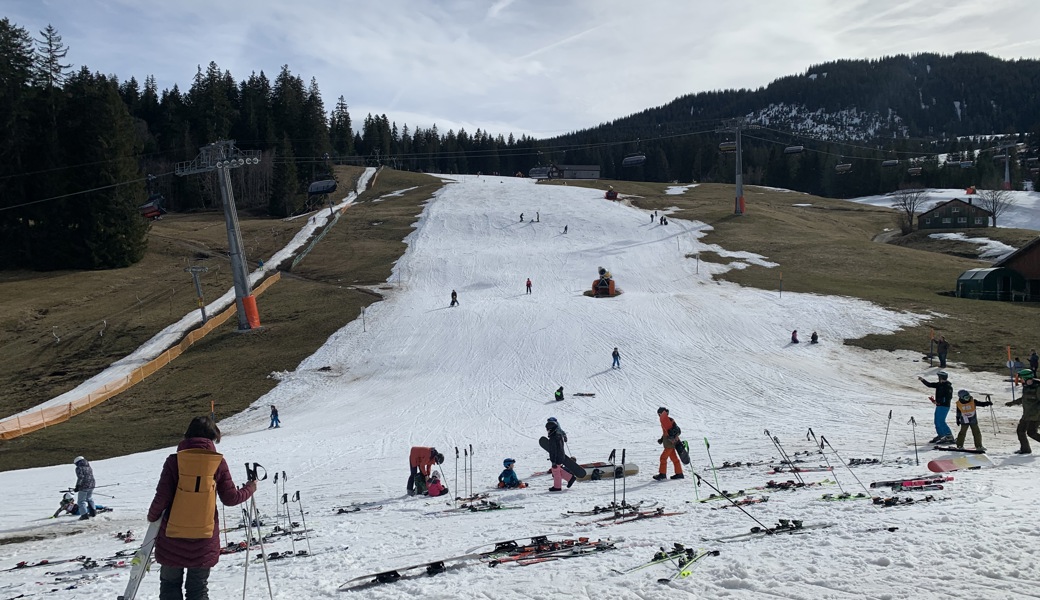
(416, 482)
(1027, 428)
(976, 434)
(196, 586)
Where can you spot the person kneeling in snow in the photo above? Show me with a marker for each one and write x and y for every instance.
(434, 487)
(508, 479)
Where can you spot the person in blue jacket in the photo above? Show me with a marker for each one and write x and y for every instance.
(508, 479)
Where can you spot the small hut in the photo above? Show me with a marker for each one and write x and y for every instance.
(993, 283)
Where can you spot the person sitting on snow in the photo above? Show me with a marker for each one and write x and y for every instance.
(508, 479)
(794, 336)
(434, 487)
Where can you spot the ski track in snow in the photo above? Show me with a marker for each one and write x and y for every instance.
(484, 373)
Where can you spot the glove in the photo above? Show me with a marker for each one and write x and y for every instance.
(660, 440)
(1009, 404)
(75, 489)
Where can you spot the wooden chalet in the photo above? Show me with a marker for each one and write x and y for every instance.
(954, 214)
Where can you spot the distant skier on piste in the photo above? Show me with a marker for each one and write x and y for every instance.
(454, 299)
(528, 285)
(559, 394)
(943, 396)
(421, 460)
(616, 356)
(507, 479)
(557, 454)
(669, 439)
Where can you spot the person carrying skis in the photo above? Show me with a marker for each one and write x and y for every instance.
(559, 394)
(454, 299)
(967, 416)
(617, 359)
(84, 488)
(1030, 401)
(435, 487)
(186, 501)
(274, 418)
(557, 454)
(507, 479)
(669, 439)
(528, 285)
(943, 396)
(421, 461)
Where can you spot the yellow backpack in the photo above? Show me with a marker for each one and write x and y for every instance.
(195, 501)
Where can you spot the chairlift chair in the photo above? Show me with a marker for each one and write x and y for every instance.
(633, 160)
(728, 147)
(321, 188)
(914, 171)
(794, 149)
(842, 168)
(153, 209)
(967, 164)
(890, 163)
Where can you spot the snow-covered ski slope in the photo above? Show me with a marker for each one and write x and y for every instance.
(484, 373)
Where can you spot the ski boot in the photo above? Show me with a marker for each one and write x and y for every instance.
(678, 476)
(660, 477)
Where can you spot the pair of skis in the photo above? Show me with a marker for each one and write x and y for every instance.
(913, 481)
(783, 527)
(681, 557)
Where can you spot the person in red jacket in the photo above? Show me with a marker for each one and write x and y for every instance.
(528, 285)
(189, 537)
(669, 438)
(421, 461)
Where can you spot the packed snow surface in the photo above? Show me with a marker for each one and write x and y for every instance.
(483, 374)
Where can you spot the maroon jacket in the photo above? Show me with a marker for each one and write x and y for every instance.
(185, 553)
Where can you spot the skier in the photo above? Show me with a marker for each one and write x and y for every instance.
(794, 336)
(528, 285)
(652, 219)
(967, 416)
(1030, 401)
(1034, 361)
(454, 299)
(943, 396)
(942, 348)
(507, 479)
(814, 339)
(421, 461)
(564, 229)
(189, 537)
(435, 487)
(557, 454)
(68, 505)
(617, 359)
(84, 488)
(559, 394)
(521, 217)
(537, 217)
(669, 439)
(274, 418)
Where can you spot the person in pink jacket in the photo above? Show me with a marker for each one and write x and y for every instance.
(189, 539)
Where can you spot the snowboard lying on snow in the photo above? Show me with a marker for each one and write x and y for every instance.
(958, 463)
(607, 472)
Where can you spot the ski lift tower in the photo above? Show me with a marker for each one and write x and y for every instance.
(735, 126)
(221, 157)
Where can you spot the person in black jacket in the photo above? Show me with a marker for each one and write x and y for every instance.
(84, 488)
(559, 394)
(943, 396)
(557, 453)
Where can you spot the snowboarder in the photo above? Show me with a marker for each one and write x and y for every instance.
(274, 418)
(557, 454)
(537, 217)
(421, 461)
(528, 285)
(454, 299)
(669, 439)
(942, 348)
(565, 229)
(967, 416)
(1034, 361)
(435, 487)
(189, 537)
(943, 396)
(507, 479)
(559, 394)
(794, 336)
(84, 488)
(814, 339)
(617, 359)
(1030, 401)
(521, 217)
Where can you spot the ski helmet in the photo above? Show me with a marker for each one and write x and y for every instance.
(1026, 374)
(435, 476)
(439, 458)
(508, 463)
(67, 497)
(963, 394)
(77, 459)
(662, 410)
(942, 375)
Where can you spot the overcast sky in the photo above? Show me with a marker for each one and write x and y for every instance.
(536, 67)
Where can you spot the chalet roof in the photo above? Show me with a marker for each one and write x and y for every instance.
(959, 201)
(1027, 248)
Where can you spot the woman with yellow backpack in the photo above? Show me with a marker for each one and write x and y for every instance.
(186, 501)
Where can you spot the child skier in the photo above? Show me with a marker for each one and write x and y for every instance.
(559, 394)
(275, 423)
(508, 479)
(669, 439)
(967, 417)
(943, 396)
(434, 487)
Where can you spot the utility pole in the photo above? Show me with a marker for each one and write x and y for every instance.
(221, 157)
(735, 126)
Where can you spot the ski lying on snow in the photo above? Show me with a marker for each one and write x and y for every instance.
(845, 496)
(743, 502)
(897, 501)
(817, 469)
(791, 485)
(637, 516)
(343, 510)
(956, 449)
(685, 566)
(45, 562)
(611, 509)
(913, 482)
(678, 551)
(783, 527)
(481, 506)
(557, 551)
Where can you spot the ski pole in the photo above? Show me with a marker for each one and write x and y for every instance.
(613, 467)
(223, 516)
(784, 457)
(303, 520)
(827, 460)
(707, 447)
(913, 427)
(453, 502)
(886, 436)
(471, 470)
(734, 502)
(465, 468)
(251, 475)
(277, 506)
(624, 483)
(292, 537)
(992, 415)
(285, 478)
(823, 440)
